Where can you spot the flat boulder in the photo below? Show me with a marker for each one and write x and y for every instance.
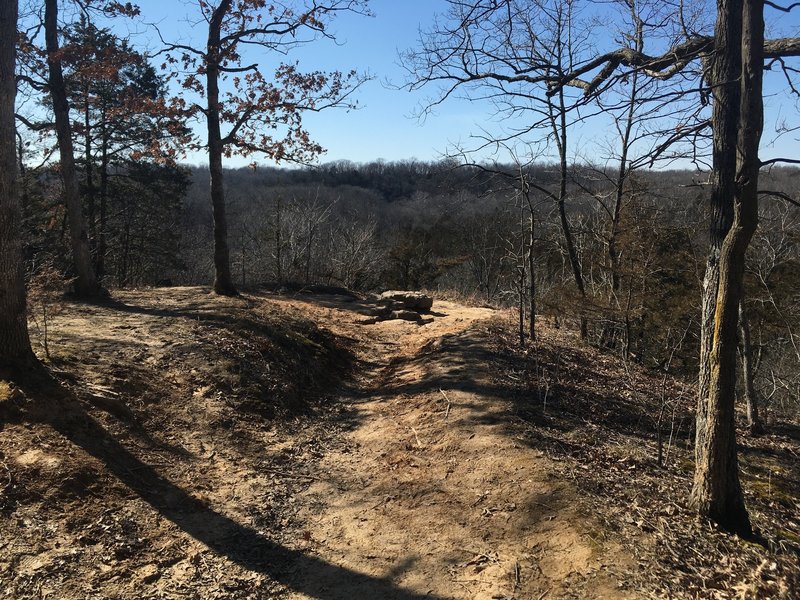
(416, 301)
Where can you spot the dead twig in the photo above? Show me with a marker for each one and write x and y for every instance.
(10, 478)
(447, 410)
(417, 437)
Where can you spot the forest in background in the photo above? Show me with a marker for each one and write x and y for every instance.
(454, 230)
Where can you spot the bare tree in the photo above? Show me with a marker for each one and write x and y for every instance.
(732, 62)
(735, 65)
(262, 116)
(748, 371)
(484, 46)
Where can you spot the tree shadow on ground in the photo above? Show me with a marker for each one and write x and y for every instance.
(48, 403)
(260, 346)
(554, 389)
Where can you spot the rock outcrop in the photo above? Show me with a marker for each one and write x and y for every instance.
(403, 305)
(416, 301)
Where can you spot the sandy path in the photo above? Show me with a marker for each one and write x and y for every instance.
(422, 484)
(433, 493)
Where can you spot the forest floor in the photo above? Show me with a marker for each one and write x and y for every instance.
(274, 446)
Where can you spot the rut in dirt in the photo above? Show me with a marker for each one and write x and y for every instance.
(434, 492)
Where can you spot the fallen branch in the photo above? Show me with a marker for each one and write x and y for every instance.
(417, 437)
(447, 410)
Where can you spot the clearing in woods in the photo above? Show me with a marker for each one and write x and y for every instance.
(411, 481)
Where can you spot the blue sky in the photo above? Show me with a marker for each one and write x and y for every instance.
(384, 126)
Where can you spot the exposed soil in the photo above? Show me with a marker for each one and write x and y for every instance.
(433, 491)
(192, 446)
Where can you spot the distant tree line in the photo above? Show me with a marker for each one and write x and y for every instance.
(466, 229)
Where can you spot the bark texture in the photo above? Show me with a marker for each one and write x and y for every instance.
(725, 70)
(15, 346)
(738, 72)
(748, 372)
(86, 284)
(223, 282)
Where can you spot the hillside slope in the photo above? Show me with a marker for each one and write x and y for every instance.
(277, 446)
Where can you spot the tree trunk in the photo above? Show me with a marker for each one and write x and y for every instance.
(725, 72)
(223, 282)
(86, 283)
(716, 492)
(572, 254)
(623, 172)
(521, 271)
(278, 241)
(532, 283)
(748, 372)
(101, 234)
(15, 346)
(91, 214)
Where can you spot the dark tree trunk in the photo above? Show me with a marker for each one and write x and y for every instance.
(223, 282)
(748, 372)
(532, 274)
(725, 71)
(572, 254)
(738, 122)
(15, 346)
(102, 232)
(86, 283)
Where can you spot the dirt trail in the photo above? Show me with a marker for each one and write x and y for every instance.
(433, 492)
(415, 483)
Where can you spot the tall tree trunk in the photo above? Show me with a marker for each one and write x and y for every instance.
(102, 232)
(748, 371)
(278, 241)
(724, 79)
(91, 214)
(572, 254)
(15, 346)
(525, 189)
(91, 189)
(532, 270)
(623, 170)
(223, 282)
(717, 492)
(521, 271)
(86, 283)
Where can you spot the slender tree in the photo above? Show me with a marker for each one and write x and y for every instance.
(124, 120)
(484, 46)
(86, 284)
(261, 116)
(748, 372)
(15, 346)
